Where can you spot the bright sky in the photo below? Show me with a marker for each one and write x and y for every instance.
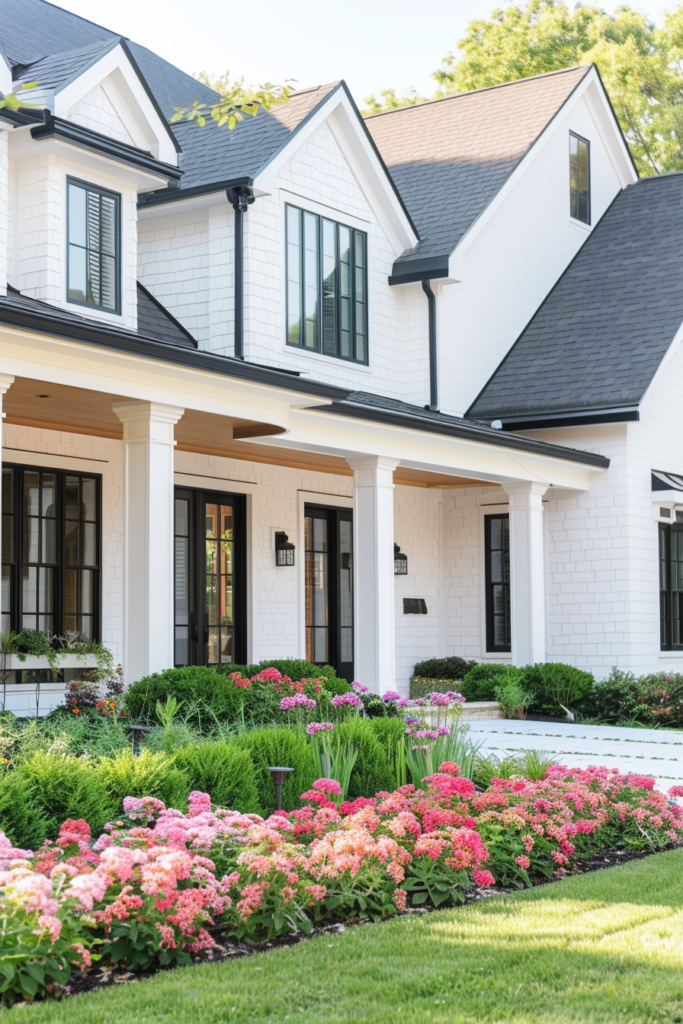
(373, 44)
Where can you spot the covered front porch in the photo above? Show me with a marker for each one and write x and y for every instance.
(197, 473)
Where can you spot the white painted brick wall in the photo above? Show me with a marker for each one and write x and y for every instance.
(96, 112)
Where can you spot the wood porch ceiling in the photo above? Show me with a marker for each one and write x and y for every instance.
(79, 411)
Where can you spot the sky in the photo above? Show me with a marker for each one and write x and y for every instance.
(373, 44)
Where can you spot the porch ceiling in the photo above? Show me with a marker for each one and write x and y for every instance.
(80, 411)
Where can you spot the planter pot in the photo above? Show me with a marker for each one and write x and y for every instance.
(13, 662)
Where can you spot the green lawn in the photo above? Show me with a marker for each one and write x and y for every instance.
(605, 947)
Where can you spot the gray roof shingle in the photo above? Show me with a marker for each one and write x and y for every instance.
(58, 69)
(600, 335)
(450, 157)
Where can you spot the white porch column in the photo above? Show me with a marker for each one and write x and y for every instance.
(147, 535)
(373, 578)
(5, 384)
(527, 572)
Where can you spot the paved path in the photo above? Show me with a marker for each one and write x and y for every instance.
(657, 752)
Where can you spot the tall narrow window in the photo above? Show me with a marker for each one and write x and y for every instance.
(497, 549)
(80, 554)
(326, 286)
(93, 246)
(9, 555)
(671, 586)
(579, 179)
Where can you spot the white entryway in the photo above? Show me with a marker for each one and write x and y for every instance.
(657, 752)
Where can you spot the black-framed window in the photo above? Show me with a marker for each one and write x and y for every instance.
(327, 309)
(579, 178)
(51, 550)
(328, 556)
(497, 568)
(671, 586)
(93, 246)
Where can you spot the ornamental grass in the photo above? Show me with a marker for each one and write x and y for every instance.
(159, 887)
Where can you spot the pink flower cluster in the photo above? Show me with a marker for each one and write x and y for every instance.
(299, 700)
(314, 727)
(341, 700)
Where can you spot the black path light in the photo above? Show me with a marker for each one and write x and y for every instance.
(284, 549)
(136, 734)
(278, 775)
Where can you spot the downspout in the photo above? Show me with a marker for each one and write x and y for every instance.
(241, 197)
(433, 379)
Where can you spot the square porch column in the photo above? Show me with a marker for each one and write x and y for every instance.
(527, 572)
(373, 577)
(147, 536)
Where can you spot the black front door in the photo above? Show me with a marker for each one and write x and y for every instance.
(329, 588)
(210, 586)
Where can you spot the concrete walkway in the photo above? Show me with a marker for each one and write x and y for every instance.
(657, 752)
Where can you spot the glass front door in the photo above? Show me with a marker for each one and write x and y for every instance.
(209, 578)
(328, 558)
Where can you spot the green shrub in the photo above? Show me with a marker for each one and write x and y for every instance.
(481, 681)
(62, 786)
(222, 770)
(452, 668)
(512, 697)
(389, 731)
(206, 695)
(279, 747)
(150, 774)
(373, 770)
(554, 685)
(21, 817)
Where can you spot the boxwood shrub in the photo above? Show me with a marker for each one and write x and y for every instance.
(481, 681)
(554, 684)
(443, 668)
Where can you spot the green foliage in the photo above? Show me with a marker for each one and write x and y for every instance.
(649, 700)
(235, 101)
(372, 770)
(424, 759)
(481, 681)
(528, 764)
(554, 685)
(224, 771)
(513, 698)
(446, 669)
(285, 748)
(391, 734)
(21, 816)
(150, 774)
(62, 786)
(206, 694)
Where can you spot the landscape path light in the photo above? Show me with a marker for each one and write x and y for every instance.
(278, 775)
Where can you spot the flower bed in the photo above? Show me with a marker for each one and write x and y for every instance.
(157, 886)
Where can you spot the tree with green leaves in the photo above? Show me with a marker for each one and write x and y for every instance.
(235, 101)
(641, 65)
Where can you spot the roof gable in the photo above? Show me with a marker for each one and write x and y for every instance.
(449, 158)
(596, 342)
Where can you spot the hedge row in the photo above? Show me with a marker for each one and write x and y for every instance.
(48, 787)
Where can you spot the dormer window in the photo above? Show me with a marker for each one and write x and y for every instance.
(93, 246)
(579, 178)
(326, 286)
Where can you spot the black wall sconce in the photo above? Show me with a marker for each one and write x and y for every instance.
(284, 550)
(400, 562)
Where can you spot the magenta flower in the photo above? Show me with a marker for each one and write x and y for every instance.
(359, 688)
(313, 727)
(299, 700)
(327, 786)
(351, 699)
(391, 695)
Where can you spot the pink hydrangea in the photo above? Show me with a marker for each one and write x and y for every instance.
(199, 803)
(523, 862)
(327, 786)
(483, 878)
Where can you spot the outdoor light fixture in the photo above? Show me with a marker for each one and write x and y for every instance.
(400, 562)
(284, 549)
(278, 779)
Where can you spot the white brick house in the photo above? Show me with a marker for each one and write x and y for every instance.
(347, 332)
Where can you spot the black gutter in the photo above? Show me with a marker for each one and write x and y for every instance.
(165, 195)
(148, 348)
(241, 198)
(433, 378)
(418, 270)
(569, 419)
(75, 135)
(22, 117)
(464, 431)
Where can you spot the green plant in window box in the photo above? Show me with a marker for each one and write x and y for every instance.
(37, 644)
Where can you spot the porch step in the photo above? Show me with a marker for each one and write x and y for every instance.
(478, 710)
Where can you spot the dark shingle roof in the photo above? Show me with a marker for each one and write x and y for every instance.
(58, 69)
(154, 321)
(450, 157)
(600, 335)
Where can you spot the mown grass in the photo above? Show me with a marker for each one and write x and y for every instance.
(595, 949)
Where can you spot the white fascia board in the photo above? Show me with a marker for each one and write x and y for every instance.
(372, 177)
(129, 98)
(591, 89)
(662, 369)
(124, 375)
(22, 144)
(345, 437)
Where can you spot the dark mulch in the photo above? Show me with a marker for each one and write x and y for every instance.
(100, 977)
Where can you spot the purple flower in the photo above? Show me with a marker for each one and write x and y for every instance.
(313, 727)
(403, 703)
(391, 695)
(297, 701)
(419, 701)
(412, 721)
(359, 688)
(443, 730)
(351, 699)
(456, 697)
(439, 700)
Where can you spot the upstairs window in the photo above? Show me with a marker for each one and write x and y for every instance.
(326, 286)
(579, 179)
(93, 230)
